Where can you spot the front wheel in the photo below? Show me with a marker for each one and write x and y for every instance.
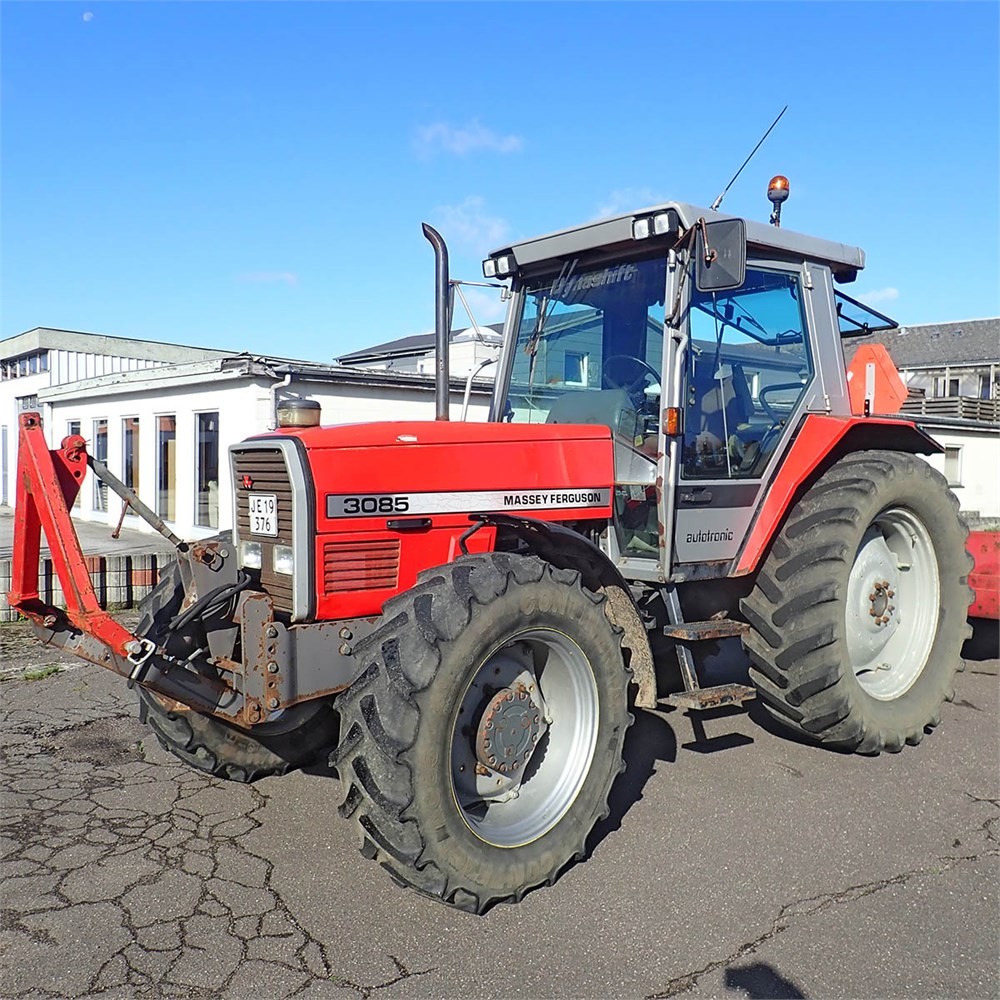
(296, 738)
(860, 608)
(481, 741)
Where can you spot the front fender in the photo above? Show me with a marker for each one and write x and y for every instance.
(568, 549)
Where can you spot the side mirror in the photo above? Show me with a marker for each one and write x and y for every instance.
(721, 249)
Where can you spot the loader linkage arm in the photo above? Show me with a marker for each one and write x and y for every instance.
(47, 484)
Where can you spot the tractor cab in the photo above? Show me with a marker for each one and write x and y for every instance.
(700, 340)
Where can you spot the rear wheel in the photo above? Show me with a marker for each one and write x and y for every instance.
(860, 608)
(481, 740)
(296, 738)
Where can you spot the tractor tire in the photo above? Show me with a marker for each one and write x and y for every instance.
(482, 738)
(298, 737)
(860, 608)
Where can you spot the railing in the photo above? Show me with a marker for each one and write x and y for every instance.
(963, 407)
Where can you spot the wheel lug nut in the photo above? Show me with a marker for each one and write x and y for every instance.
(871, 611)
(890, 593)
(872, 596)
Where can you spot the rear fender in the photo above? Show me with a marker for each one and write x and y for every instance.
(568, 549)
(820, 442)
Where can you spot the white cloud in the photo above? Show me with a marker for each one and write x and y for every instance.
(628, 199)
(873, 298)
(269, 277)
(88, 15)
(469, 224)
(464, 139)
(485, 305)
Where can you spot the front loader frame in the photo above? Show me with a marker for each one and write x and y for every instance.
(47, 484)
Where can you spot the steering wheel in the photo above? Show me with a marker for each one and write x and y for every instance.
(773, 414)
(620, 380)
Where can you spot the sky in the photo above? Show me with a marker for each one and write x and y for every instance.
(252, 176)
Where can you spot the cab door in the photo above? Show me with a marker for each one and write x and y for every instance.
(748, 374)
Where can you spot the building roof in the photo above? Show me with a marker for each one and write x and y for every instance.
(937, 345)
(43, 338)
(406, 347)
(228, 366)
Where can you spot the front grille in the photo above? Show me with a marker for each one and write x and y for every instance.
(360, 565)
(267, 474)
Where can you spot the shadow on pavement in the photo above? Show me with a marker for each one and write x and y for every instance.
(984, 643)
(761, 981)
(650, 739)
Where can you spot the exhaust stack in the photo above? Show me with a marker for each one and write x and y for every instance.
(442, 321)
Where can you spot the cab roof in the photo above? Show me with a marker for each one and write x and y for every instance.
(844, 260)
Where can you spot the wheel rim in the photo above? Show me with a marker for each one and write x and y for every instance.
(893, 598)
(524, 737)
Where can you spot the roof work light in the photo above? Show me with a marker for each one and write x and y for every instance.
(501, 266)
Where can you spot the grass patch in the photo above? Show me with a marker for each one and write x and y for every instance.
(42, 672)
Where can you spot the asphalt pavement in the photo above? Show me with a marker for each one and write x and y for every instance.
(743, 865)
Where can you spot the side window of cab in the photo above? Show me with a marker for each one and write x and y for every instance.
(748, 369)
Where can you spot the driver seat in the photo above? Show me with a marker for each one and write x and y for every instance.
(723, 405)
(610, 407)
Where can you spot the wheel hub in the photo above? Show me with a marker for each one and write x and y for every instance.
(879, 599)
(509, 730)
(893, 594)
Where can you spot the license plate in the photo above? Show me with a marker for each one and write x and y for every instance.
(263, 514)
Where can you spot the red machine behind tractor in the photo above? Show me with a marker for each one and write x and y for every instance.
(462, 616)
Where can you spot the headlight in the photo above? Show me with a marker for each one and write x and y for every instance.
(250, 556)
(282, 561)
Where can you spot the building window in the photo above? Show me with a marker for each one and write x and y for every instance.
(575, 368)
(166, 472)
(953, 464)
(207, 505)
(29, 364)
(100, 449)
(944, 386)
(985, 387)
(25, 403)
(130, 455)
(73, 427)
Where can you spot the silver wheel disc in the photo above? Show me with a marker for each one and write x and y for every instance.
(524, 737)
(893, 597)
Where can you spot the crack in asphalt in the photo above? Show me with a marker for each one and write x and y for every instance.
(401, 969)
(810, 906)
(154, 853)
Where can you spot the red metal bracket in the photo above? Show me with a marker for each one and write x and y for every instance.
(47, 484)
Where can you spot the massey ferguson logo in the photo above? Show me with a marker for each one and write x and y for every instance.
(247, 482)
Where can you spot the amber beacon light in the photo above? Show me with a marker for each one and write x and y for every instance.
(777, 194)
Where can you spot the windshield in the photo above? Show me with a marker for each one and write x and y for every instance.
(585, 330)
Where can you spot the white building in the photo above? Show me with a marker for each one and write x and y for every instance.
(162, 417)
(952, 372)
(473, 351)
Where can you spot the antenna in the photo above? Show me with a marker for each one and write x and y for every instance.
(718, 201)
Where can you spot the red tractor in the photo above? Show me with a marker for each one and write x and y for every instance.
(461, 616)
